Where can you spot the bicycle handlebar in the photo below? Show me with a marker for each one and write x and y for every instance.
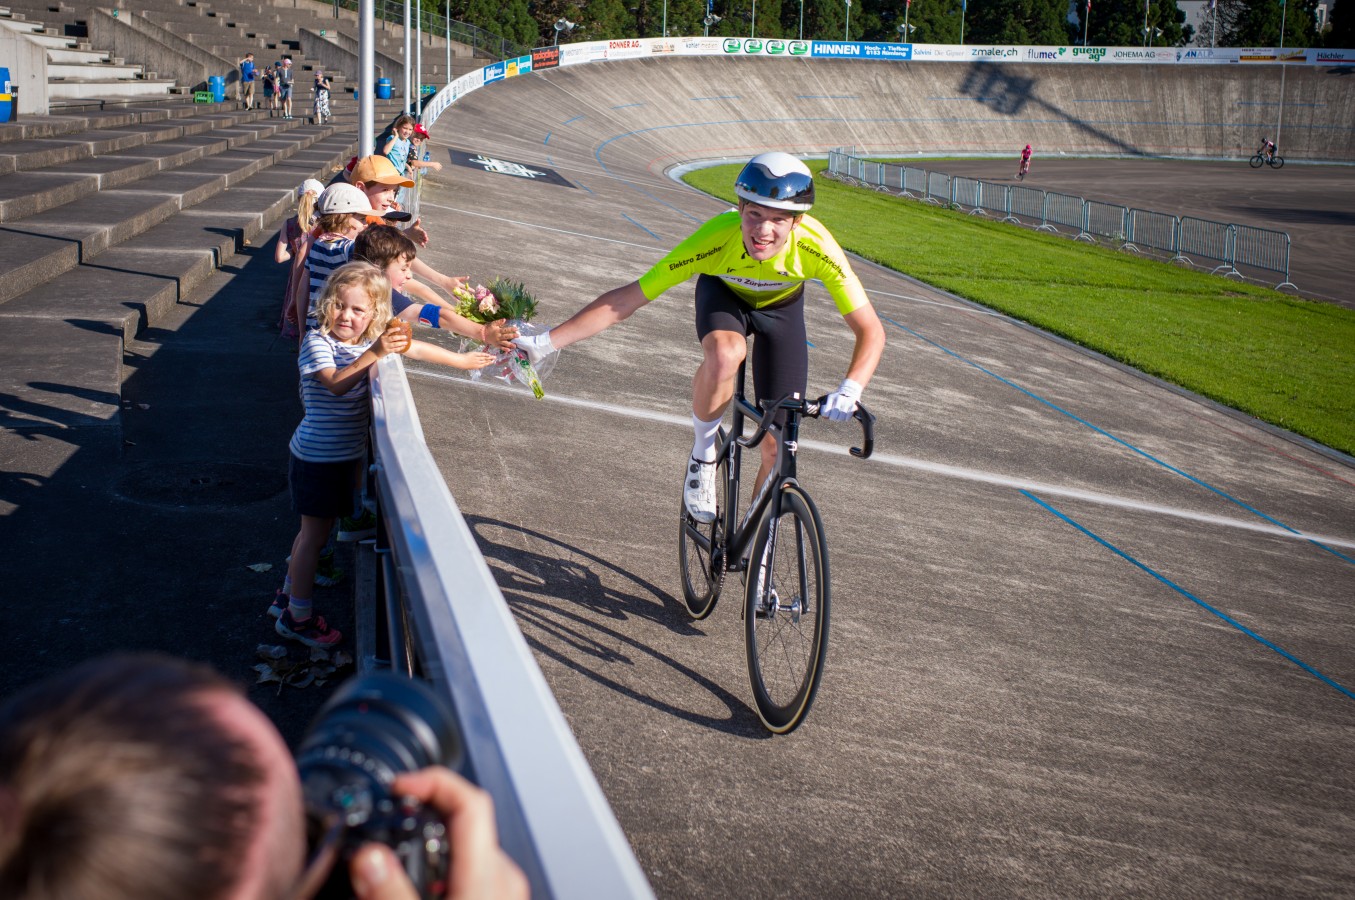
(811, 408)
(860, 414)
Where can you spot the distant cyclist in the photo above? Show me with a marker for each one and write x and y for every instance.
(1267, 149)
(751, 264)
(1025, 164)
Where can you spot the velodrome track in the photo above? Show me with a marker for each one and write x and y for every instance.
(1090, 637)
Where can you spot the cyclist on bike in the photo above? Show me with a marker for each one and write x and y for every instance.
(1267, 150)
(751, 264)
(1025, 163)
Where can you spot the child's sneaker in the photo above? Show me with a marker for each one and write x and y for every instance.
(314, 632)
(280, 602)
(327, 573)
(357, 528)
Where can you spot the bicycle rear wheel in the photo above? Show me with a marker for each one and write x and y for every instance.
(1277, 162)
(786, 611)
(701, 552)
(1257, 161)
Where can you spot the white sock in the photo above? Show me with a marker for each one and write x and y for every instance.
(707, 433)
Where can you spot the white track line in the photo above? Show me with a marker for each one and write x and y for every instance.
(934, 468)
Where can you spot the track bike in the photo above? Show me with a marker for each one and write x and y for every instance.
(781, 550)
(1274, 160)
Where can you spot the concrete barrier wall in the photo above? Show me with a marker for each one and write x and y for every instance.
(139, 40)
(27, 64)
(339, 53)
(678, 109)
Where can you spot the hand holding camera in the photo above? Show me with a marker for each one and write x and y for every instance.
(479, 868)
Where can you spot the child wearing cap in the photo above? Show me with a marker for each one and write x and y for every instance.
(418, 152)
(353, 208)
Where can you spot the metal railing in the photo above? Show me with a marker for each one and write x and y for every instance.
(486, 43)
(1186, 239)
(426, 589)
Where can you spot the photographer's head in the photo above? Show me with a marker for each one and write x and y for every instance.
(145, 777)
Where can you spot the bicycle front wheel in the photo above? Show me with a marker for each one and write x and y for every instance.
(786, 611)
(1257, 161)
(701, 552)
(1277, 162)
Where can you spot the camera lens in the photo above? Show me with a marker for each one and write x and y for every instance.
(374, 728)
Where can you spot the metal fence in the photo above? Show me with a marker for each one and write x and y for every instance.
(484, 42)
(1220, 246)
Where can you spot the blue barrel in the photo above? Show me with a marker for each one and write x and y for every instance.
(383, 88)
(217, 85)
(7, 103)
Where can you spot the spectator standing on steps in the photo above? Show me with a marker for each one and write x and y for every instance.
(247, 80)
(322, 88)
(285, 87)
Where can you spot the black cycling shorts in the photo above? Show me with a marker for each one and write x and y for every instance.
(780, 345)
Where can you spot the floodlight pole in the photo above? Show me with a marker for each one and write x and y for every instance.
(407, 55)
(366, 77)
(1279, 118)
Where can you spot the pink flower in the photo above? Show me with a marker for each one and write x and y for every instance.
(481, 292)
(488, 304)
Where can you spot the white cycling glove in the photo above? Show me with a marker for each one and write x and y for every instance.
(840, 404)
(537, 347)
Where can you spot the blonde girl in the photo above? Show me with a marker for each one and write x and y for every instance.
(291, 246)
(353, 332)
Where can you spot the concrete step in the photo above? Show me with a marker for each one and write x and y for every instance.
(91, 71)
(40, 247)
(69, 56)
(87, 89)
(68, 367)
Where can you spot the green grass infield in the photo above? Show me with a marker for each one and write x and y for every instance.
(1286, 361)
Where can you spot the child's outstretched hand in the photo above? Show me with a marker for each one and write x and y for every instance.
(476, 359)
(395, 339)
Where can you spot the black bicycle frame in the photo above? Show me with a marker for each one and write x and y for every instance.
(737, 539)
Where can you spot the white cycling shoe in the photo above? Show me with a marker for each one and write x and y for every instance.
(698, 491)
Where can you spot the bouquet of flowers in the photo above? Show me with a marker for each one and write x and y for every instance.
(505, 299)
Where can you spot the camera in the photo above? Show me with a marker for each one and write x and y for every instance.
(374, 728)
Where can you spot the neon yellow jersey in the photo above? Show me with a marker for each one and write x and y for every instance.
(716, 248)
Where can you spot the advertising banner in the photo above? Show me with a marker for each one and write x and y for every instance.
(1332, 57)
(522, 65)
(494, 72)
(861, 50)
(545, 58)
(626, 49)
(1207, 55)
(940, 52)
(1141, 55)
(761, 47)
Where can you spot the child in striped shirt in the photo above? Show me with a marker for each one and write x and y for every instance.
(353, 332)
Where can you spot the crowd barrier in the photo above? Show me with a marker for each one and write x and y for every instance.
(429, 607)
(1226, 247)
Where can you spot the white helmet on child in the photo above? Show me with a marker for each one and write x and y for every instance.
(778, 180)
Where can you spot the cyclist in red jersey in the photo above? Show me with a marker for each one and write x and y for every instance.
(751, 264)
(1025, 164)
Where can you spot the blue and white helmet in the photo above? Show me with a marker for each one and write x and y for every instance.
(778, 180)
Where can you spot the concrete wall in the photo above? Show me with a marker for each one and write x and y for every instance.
(675, 110)
(27, 64)
(339, 53)
(138, 39)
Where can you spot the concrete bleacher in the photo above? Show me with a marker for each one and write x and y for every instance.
(111, 218)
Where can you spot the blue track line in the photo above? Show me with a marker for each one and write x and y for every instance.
(639, 226)
(575, 119)
(1189, 596)
(547, 140)
(1121, 441)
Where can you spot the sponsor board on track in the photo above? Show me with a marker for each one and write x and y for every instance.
(545, 58)
(508, 167)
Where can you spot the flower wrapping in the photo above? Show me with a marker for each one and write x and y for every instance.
(510, 300)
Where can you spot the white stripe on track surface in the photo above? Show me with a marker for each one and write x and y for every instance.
(934, 468)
